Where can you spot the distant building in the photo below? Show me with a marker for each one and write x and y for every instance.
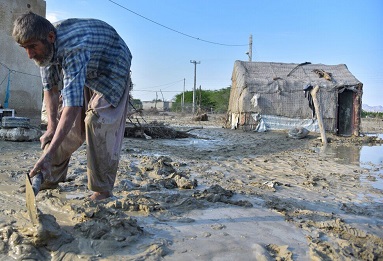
(159, 105)
(20, 81)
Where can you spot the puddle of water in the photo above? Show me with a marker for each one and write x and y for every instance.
(344, 154)
(371, 157)
(367, 157)
(379, 135)
(200, 144)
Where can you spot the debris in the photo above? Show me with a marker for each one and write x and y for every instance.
(154, 130)
(298, 133)
(20, 134)
(296, 67)
(14, 122)
(201, 117)
(323, 74)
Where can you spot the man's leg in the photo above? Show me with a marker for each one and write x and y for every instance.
(105, 127)
(60, 160)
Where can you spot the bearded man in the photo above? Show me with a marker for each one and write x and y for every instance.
(85, 71)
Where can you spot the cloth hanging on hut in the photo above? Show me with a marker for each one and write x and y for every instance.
(307, 91)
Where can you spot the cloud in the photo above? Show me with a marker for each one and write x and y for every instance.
(53, 16)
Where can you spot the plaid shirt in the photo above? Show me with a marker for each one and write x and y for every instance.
(90, 53)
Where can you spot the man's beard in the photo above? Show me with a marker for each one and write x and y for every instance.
(46, 58)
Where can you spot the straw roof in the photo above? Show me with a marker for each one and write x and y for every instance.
(270, 77)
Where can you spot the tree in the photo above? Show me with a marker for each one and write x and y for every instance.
(136, 103)
(217, 100)
(368, 114)
(221, 98)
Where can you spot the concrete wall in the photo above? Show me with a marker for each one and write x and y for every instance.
(25, 92)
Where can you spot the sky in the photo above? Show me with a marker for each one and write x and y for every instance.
(165, 36)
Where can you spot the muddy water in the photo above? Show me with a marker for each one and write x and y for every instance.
(369, 157)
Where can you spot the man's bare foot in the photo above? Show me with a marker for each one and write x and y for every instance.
(100, 195)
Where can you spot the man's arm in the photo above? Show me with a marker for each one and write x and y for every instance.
(44, 164)
(64, 125)
(51, 101)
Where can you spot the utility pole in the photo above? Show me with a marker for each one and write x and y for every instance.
(195, 81)
(200, 99)
(183, 98)
(250, 52)
(155, 103)
(163, 103)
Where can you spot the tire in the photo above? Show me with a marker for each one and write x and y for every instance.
(14, 122)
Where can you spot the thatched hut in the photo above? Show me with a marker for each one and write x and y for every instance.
(274, 94)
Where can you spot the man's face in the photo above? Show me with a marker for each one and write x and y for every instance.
(40, 51)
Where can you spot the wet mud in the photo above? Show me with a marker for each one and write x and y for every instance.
(225, 195)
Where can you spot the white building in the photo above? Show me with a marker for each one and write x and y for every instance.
(20, 82)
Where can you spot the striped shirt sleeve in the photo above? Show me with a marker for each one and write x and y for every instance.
(75, 71)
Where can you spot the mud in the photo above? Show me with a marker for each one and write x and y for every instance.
(225, 195)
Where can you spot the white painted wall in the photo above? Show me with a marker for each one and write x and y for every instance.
(25, 82)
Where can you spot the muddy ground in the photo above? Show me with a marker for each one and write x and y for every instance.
(226, 195)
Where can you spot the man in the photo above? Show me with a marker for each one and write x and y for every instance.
(85, 70)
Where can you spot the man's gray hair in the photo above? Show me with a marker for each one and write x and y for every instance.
(30, 26)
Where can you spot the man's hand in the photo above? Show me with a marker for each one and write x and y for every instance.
(46, 138)
(44, 164)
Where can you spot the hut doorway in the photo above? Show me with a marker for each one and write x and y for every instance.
(345, 113)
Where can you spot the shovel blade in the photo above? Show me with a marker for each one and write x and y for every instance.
(30, 200)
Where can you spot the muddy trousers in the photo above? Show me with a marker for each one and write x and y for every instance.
(102, 126)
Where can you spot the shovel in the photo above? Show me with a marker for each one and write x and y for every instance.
(32, 187)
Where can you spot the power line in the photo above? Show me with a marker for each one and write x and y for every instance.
(14, 71)
(134, 90)
(174, 30)
(171, 83)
